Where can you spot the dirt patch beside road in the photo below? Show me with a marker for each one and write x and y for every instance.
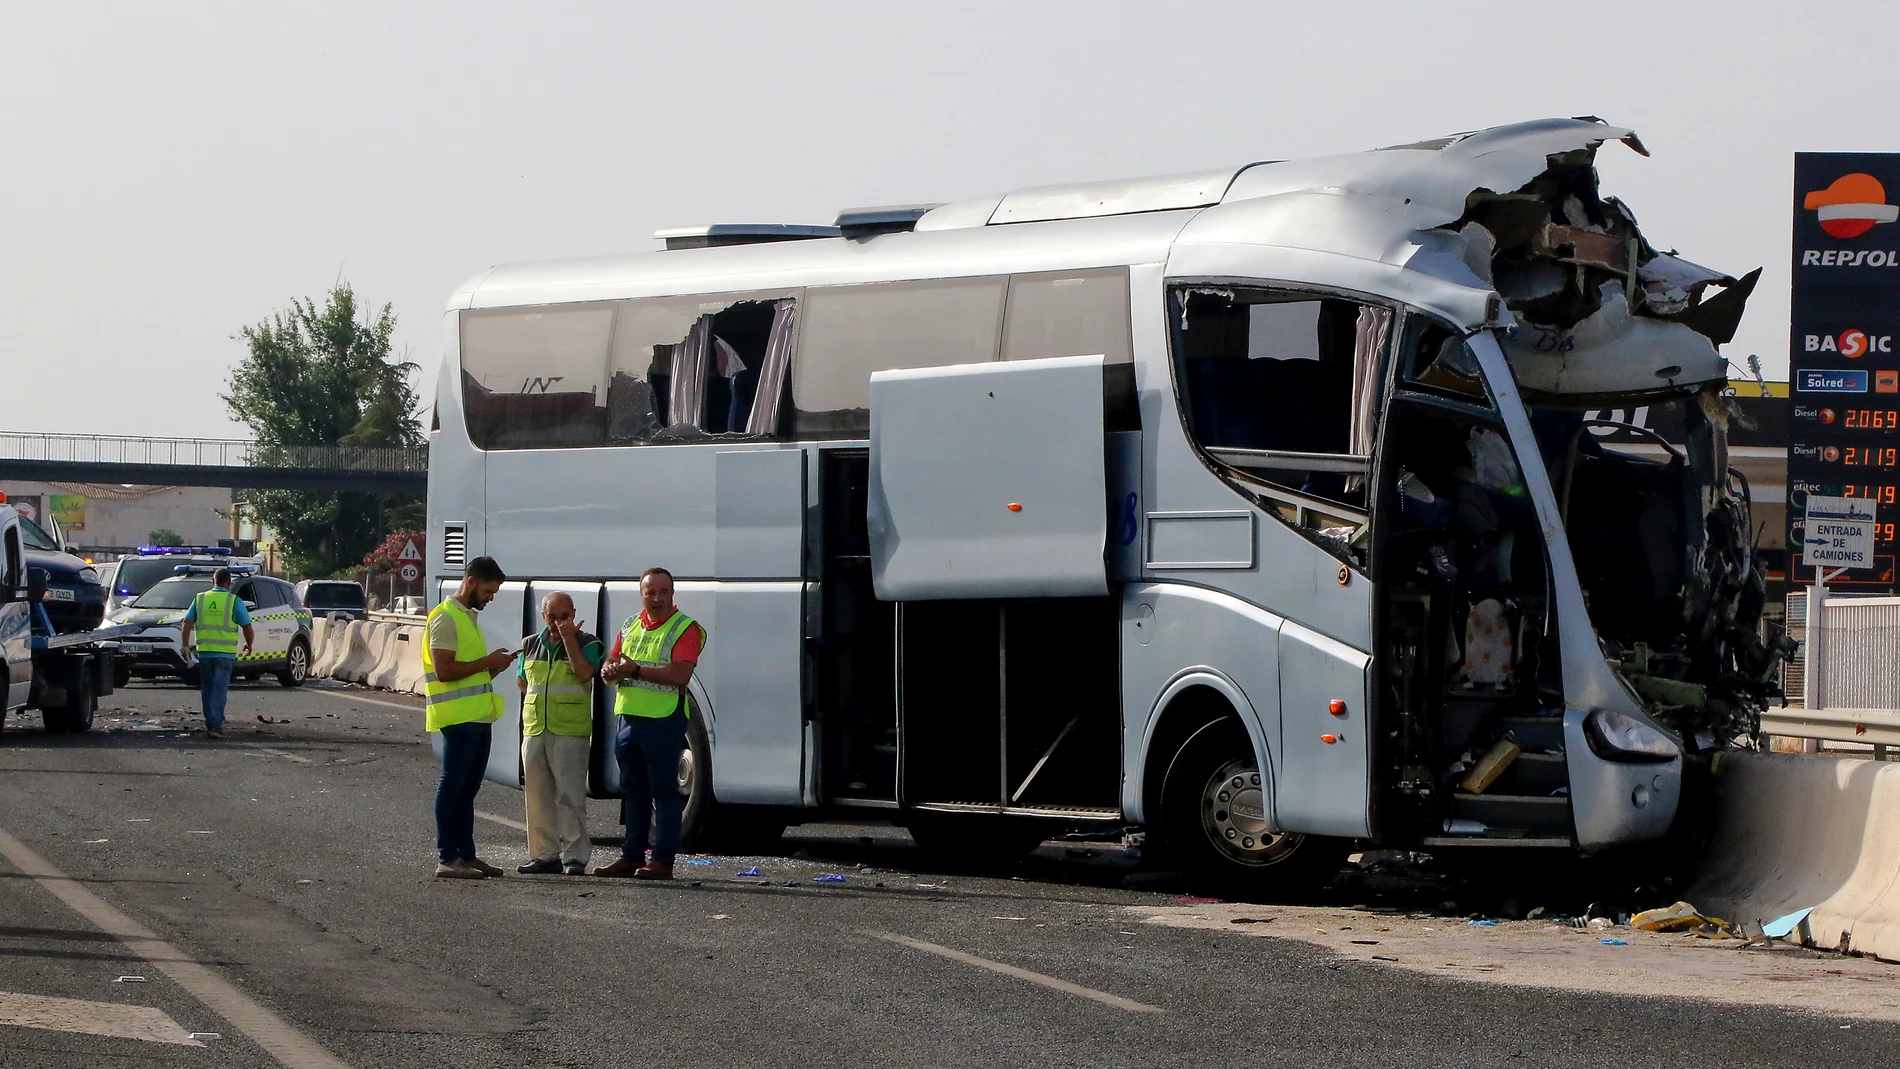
(1541, 954)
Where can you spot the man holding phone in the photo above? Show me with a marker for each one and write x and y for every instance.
(461, 703)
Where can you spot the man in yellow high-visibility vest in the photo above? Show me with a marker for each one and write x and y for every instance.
(652, 660)
(556, 675)
(216, 617)
(461, 702)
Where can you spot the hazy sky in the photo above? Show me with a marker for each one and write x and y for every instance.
(175, 171)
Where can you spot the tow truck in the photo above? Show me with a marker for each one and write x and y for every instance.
(61, 675)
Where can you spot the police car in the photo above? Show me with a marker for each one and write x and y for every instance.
(278, 620)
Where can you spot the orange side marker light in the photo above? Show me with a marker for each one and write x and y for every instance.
(1329, 739)
(1337, 707)
(1014, 506)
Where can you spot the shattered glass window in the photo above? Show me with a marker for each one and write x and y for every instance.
(623, 372)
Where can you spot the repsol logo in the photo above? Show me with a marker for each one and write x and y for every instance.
(1849, 258)
(1849, 343)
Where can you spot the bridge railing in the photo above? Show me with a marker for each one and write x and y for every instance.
(208, 452)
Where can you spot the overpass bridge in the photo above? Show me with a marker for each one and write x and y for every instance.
(107, 459)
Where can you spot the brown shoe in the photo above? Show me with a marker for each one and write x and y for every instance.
(622, 867)
(482, 867)
(653, 870)
(458, 870)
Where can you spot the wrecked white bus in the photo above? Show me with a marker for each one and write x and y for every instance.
(1253, 508)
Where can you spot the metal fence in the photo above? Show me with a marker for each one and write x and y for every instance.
(1860, 679)
(208, 452)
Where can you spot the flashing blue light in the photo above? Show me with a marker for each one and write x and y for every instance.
(212, 569)
(184, 551)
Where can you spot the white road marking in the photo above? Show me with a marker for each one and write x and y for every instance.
(348, 697)
(291, 1048)
(273, 753)
(1078, 990)
(148, 1023)
(503, 821)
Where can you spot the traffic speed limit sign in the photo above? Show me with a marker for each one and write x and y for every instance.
(409, 573)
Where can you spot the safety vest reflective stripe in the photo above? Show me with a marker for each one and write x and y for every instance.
(471, 699)
(214, 630)
(443, 697)
(651, 649)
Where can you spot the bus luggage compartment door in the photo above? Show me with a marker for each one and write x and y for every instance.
(989, 480)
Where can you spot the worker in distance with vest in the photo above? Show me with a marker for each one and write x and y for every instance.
(458, 674)
(652, 660)
(556, 675)
(215, 618)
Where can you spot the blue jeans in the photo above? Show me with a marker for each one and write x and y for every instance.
(464, 760)
(648, 751)
(214, 684)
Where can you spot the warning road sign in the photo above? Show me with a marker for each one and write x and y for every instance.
(1838, 532)
(409, 551)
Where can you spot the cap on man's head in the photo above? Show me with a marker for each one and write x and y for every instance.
(485, 569)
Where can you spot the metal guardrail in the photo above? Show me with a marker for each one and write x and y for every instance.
(208, 452)
(1881, 727)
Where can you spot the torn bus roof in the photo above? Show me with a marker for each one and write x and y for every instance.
(1595, 310)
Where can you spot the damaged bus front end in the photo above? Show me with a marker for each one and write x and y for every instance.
(1564, 633)
(1653, 592)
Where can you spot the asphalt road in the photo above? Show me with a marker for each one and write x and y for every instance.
(275, 889)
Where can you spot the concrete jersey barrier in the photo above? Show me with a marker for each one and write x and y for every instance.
(1796, 832)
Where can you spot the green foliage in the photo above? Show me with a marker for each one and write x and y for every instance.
(324, 376)
(164, 536)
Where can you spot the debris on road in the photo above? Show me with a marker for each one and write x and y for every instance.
(1614, 942)
(1782, 926)
(753, 871)
(130, 980)
(829, 877)
(1481, 924)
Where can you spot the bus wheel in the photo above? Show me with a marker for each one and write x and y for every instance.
(1214, 822)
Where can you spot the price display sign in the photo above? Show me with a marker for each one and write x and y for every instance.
(1844, 370)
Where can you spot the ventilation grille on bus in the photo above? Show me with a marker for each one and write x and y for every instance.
(455, 544)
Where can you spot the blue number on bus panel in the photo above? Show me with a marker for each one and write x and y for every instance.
(1126, 526)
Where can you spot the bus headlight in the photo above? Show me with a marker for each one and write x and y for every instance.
(1616, 737)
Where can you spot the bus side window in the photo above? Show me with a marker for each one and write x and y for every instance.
(687, 367)
(851, 331)
(1069, 313)
(531, 376)
(1285, 386)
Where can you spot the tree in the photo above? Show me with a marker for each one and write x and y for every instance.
(385, 560)
(164, 536)
(317, 376)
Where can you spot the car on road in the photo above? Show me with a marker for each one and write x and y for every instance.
(75, 599)
(331, 597)
(410, 605)
(134, 575)
(279, 621)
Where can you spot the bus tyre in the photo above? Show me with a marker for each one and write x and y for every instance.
(1213, 823)
(296, 664)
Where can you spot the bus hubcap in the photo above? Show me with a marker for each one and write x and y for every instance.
(1234, 816)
